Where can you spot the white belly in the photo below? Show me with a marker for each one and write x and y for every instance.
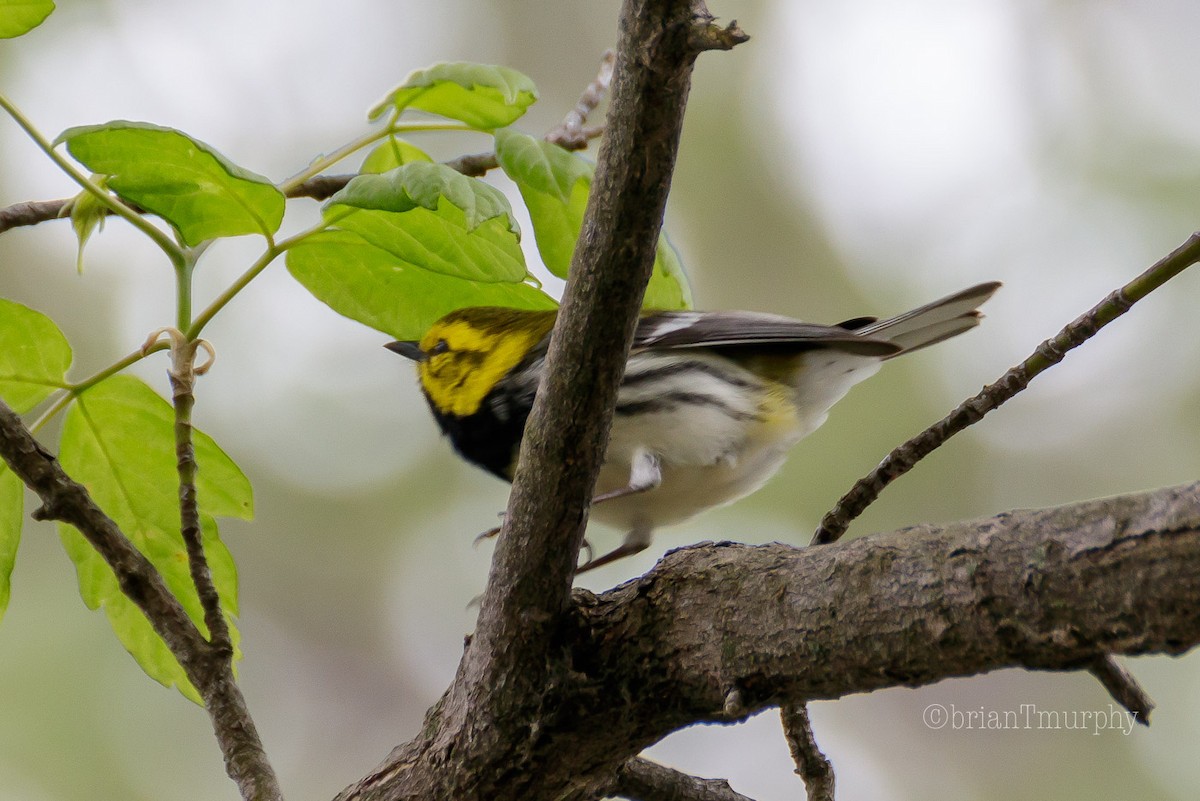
(711, 454)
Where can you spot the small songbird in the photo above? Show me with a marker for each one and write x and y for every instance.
(709, 405)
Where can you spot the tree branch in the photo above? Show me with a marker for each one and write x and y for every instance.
(905, 456)
(1048, 590)
(643, 780)
(494, 718)
(811, 765)
(67, 501)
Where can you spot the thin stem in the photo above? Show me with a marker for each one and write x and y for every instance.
(348, 149)
(183, 292)
(274, 249)
(1046, 355)
(164, 242)
(72, 391)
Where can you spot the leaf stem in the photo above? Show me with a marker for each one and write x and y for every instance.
(164, 242)
(72, 391)
(325, 162)
(274, 249)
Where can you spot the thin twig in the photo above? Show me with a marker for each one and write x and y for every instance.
(1123, 687)
(182, 375)
(642, 780)
(570, 133)
(811, 765)
(903, 458)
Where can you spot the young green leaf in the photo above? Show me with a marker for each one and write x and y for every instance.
(34, 356)
(186, 182)
(391, 153)
(118, 440)
(431, 217)
(21, 16)
(554, 185)
(87, 216)
(483, 96)
(11, 513)
(374, 286)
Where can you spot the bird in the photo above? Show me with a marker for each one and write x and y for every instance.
(709, 405)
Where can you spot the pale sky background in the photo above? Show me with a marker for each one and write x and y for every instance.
(853, 158)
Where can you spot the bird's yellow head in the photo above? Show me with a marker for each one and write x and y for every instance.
(465, 354)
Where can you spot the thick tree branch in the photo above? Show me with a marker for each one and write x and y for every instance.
(487, 737)
(1048, 589)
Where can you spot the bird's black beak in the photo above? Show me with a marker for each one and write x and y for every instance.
(408, 349)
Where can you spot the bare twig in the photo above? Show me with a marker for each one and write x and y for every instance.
(1123, 687)
(642, 780)
(811, 765)
(903, 458)
(570, 133)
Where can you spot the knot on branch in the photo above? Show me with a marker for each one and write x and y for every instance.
(706, 34)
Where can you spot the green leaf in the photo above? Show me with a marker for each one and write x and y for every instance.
(555, 185)
(184, 181)
(21, 16)
(34, 356)
(379, 289)
(11, 513)
(481, 95)
(431, 217)
(391, 153)
(668, 287)
(425, 185)
(118, 440)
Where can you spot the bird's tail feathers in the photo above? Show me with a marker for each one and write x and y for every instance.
(933, 322)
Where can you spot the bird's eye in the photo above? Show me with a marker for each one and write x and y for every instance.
(441, 346)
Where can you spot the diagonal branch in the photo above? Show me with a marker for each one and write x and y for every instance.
(811, 765)
(643, 780)
(903, 458)
(69, 502)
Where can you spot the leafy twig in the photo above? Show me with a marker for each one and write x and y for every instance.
(569, 134)
(903, 458)
(811, 765)
(69, 502)
(111, 202)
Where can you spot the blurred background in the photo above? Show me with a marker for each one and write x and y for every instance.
(853, 158)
